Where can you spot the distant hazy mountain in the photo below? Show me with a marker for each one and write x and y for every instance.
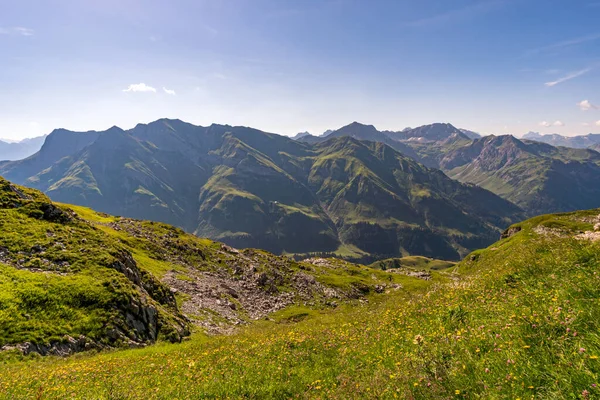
(431, 142)
(579, 142)
(254, 189)
(360, 131)
(300, 135)
(20, 149)
(470, 134)
(429, 133)
(58, 144)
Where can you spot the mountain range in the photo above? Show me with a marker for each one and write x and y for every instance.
(21, 149)
(357, 192)
(579, 142)
(537, 177)
(354, 198)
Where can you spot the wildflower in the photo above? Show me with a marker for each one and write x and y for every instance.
(581, 350)
(593, 357)
(585, 394)
(457, 391)
(526, 347)
(487, 370)
(418, 339)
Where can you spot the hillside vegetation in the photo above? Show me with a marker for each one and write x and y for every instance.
(519, 319)
(72, 279)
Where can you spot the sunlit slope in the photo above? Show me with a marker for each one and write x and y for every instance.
(517, 320)
(72, 279)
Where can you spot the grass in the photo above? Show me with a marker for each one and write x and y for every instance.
(517, 320)
(415, 262)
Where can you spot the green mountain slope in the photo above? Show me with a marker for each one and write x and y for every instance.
(519, 319)
(72, 279)
(387, 204)
(249, 188)
(68, 286)
(535, 176)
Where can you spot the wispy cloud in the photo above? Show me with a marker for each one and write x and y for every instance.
(547, 124)
(597, 123)
(564, 44)
(457, 14)
(210, 30)
(139, 87)
(568, 77)
(169, 91)
(585, 105)
(17, 31)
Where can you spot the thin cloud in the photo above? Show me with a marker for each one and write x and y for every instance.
(597, 123)
(568, 77)
(140, 87)
(457, 14)
(564, 44)
(585, 105)
(547, 124)
(169, 91)
(212, 31)
(17, 31)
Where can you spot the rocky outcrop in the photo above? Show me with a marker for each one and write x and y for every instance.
(65, 347)
(142, 317)
(510, 232)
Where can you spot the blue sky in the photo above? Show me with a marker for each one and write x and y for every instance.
(493, 66)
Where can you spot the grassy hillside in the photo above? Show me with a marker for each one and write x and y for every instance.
(412, 262)
(519, 319)
(72, 279)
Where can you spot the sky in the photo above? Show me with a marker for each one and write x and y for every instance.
(283, 66)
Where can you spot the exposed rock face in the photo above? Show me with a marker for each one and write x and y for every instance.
(142, 317)
(220, 300)
(62, 348)
(510, 231)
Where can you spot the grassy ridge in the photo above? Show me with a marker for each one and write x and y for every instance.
(517, 320)
(69, 274)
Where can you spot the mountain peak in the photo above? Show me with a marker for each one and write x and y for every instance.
(356, 129)
(300, 135)
(430, 133)
(357, 124)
